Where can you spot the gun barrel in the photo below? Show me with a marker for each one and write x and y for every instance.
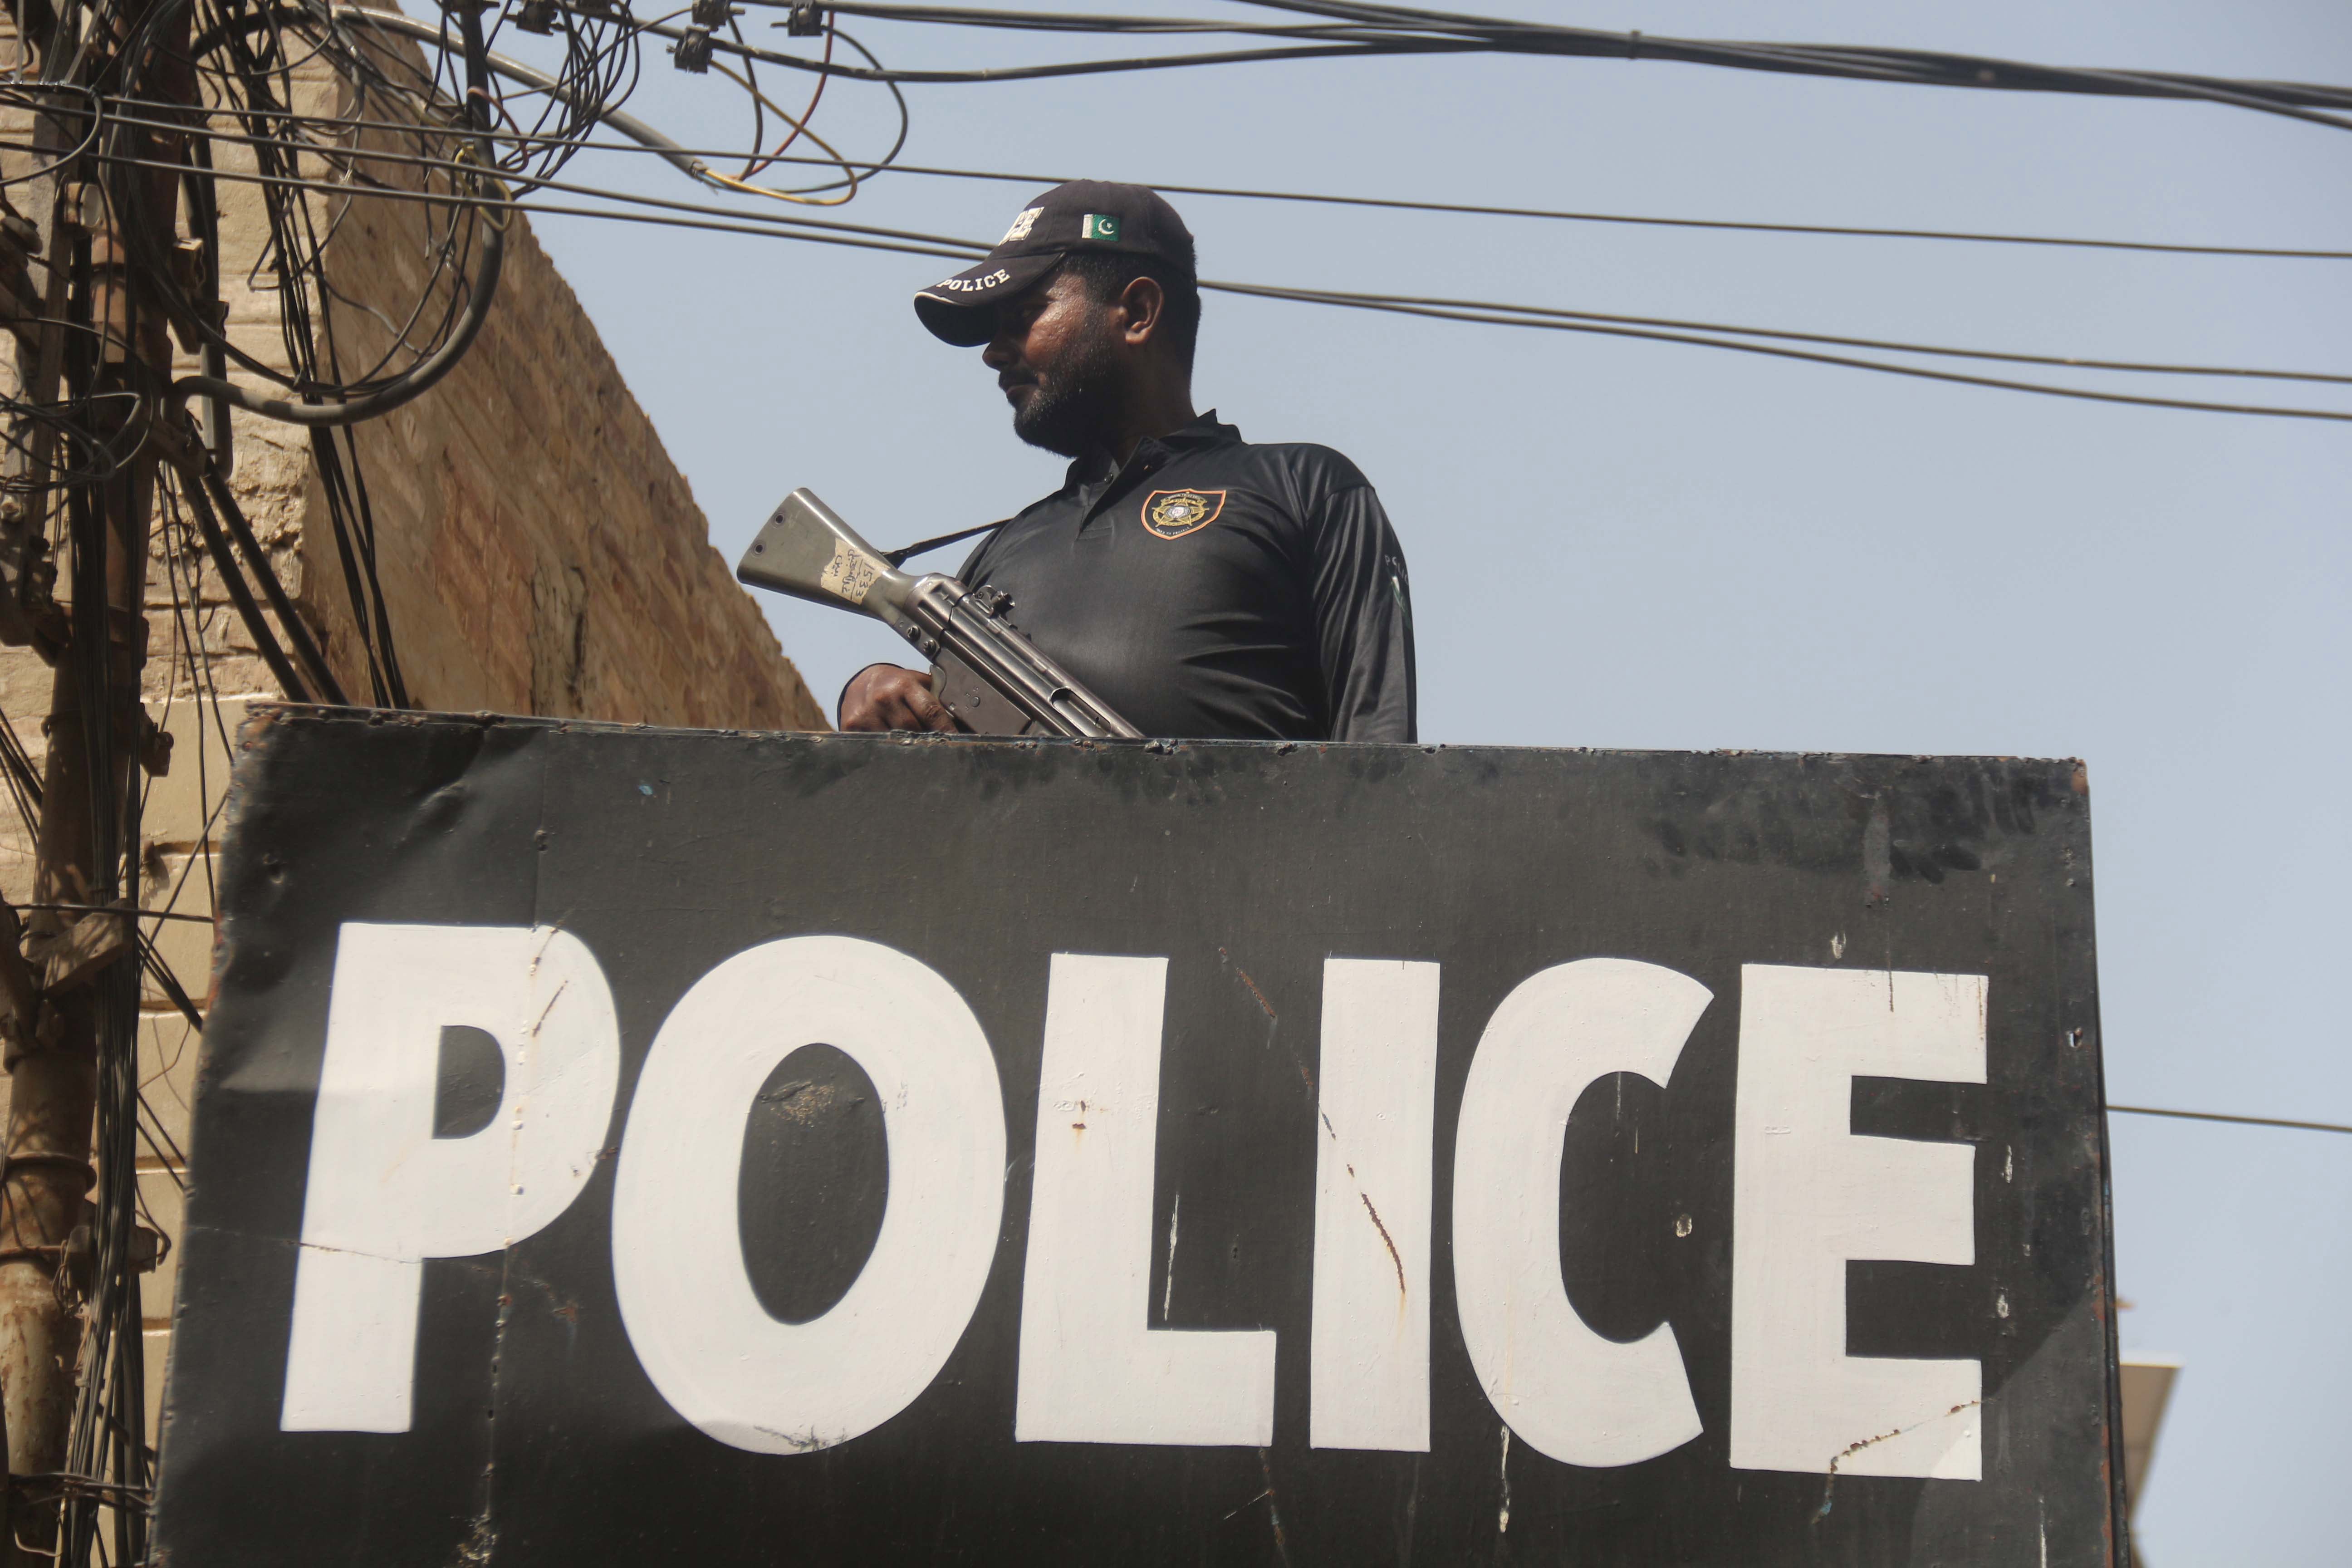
(973, 638)
(804, 548)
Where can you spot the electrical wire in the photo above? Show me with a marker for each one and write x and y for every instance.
(1912, 66)
(1369, 31)
(2228, 1116)
(751, 167)
(743, 183)
(611, 114)
(1543, 313)
(1488, 309)
(1398, 307)
(474, 301)
(1394, 204)
(1695, 334)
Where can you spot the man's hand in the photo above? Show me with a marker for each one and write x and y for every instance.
(884, 697)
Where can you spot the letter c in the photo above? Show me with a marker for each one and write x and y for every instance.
(1566, 1392)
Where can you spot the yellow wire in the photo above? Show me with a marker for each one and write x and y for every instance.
(715, 177)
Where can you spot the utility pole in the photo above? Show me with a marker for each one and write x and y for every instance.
(70, 991)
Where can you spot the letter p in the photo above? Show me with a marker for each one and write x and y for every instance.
(383, 1192)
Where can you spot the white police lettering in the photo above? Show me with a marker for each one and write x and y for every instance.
(1809, 1196)
(384, 1192)
(1093, 1370)
(1377, 1101)
(975, 284)
(687, 1297)
(1021, 226)
(1566, 1392)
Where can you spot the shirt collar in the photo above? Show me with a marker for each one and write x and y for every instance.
(1205, 431)
(1202, 432)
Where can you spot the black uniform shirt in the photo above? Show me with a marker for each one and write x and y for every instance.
(1212, 589)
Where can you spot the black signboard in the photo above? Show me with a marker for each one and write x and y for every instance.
(658, 1147)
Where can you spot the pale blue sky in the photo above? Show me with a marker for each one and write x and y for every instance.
(1631, 545)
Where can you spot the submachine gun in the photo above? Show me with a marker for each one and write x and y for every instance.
(991, 677)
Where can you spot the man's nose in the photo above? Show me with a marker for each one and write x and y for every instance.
(1000, 352)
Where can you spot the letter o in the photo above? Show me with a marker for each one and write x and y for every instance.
(687, 1301)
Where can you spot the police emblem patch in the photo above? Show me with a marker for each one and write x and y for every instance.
(1171, 514)
(1021, 224)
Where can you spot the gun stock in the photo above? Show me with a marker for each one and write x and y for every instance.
(804, 548)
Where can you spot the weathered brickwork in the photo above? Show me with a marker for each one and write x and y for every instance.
(547, 556)
(538, 550)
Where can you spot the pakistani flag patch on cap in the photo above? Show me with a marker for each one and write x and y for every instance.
(1099, 226)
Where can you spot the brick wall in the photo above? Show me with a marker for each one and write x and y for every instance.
(549, 557)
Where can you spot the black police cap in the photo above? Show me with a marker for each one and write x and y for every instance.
(1084, 215)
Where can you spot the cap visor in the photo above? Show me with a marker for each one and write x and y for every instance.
(961, 309)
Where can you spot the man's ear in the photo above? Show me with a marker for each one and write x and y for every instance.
(1143, 302)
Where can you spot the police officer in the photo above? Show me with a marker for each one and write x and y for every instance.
(1204, 586)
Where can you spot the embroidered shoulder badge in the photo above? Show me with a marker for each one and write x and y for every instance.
(1172, 514)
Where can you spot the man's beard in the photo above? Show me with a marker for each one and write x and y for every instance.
(1070, 410)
